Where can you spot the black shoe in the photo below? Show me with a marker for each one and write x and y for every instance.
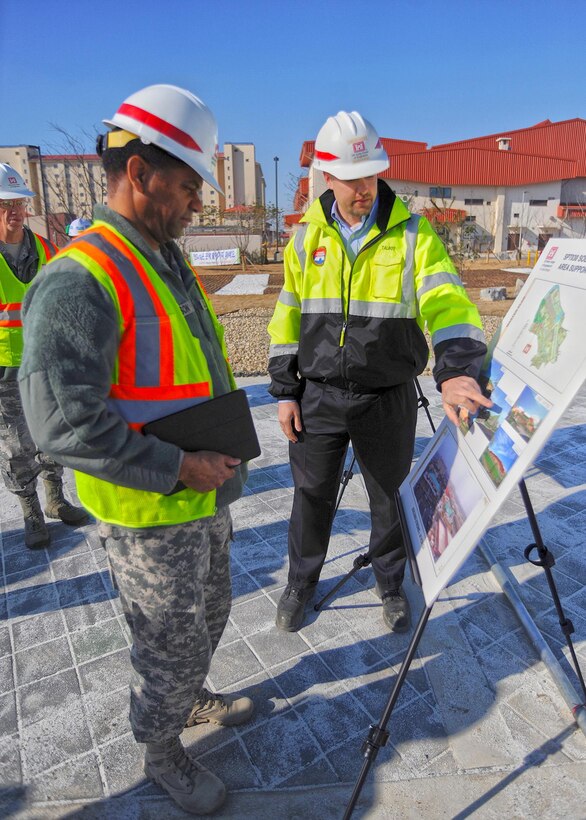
(291, 607)
(396, 610)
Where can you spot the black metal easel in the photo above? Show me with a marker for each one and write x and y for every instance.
(364, 560)
(547, 561)
(378, 734)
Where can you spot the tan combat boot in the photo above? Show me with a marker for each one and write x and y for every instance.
(36, 534)
(58, 506)
(187, 782)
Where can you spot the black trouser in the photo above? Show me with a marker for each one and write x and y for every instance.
(381, 428)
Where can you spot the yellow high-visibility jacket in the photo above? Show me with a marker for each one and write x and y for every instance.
(364, 322)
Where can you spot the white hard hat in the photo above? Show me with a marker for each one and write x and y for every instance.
(348, 147)
(79, 225)
(176, 121)
(12, 184)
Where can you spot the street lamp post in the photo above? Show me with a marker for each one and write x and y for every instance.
(519, 251)
(276, 159)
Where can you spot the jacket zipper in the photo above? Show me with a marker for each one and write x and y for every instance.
(345, 312)
(372, 242)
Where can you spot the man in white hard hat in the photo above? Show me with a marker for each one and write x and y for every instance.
(22, 254)
(77, 226)
(119, 333)
(363, 277)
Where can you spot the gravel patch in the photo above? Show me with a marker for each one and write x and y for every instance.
(247, 339)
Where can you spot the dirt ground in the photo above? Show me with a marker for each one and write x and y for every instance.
(482, 275)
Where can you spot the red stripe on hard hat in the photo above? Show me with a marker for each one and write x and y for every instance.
(325, 156)
(163, 127)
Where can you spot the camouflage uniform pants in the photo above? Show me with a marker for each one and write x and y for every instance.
(175, 588)
(20, 460)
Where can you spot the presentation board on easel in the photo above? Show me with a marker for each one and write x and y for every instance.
(536, 367)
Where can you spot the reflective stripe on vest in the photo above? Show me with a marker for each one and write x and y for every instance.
(145, 388)
(406, 308)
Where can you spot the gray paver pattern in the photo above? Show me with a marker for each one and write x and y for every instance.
(480, 728)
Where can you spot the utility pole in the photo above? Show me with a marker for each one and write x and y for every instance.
(519, 249)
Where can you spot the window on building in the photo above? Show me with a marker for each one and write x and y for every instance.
(473, 202)
(470, 219)
(438, 192)
(513, 241)
(540, 203)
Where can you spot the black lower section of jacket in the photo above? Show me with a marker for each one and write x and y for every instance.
(376, 354)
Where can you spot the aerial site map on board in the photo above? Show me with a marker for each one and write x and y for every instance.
(536, 366)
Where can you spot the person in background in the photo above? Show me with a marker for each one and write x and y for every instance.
(363, 277)
(22, 254)
(119, 333)
(77, 226)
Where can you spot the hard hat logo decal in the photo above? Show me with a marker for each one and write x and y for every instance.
(12, 180)
(319, 256)
(156, 123)
(359, 150)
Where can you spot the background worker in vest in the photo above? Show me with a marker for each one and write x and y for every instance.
(362, 278)
(22, 254)
(118, 333)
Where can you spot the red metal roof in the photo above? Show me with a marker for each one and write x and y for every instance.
(478, 166)
(564, 140)
(393, 146)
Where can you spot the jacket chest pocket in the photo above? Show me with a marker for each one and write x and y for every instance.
(386, 279)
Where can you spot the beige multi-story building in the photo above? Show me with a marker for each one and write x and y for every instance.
(67, 186)
(74, 183)
(240, 176)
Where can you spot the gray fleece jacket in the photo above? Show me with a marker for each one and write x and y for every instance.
(71, 339)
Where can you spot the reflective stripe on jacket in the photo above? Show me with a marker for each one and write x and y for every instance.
(12, 292)
(160, 369)
(364, 322)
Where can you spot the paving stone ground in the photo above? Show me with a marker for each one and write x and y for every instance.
(480, 729)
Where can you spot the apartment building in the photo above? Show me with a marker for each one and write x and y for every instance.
(240, 176)
(68, 185)
(512, 190)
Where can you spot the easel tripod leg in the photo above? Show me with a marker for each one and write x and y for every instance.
(378, 735)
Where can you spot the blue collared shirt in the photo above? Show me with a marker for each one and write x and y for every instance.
(353, 236)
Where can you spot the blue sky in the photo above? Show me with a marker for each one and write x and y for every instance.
(272, 72)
